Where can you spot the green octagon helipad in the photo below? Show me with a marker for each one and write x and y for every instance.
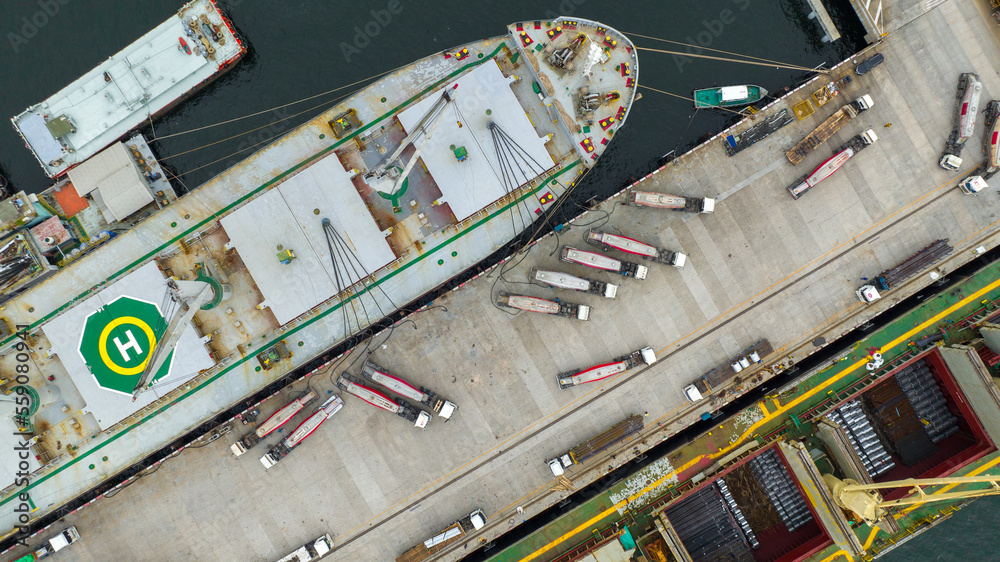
(117, 341)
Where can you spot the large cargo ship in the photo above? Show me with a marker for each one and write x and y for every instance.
(366, 208)
(132, 88)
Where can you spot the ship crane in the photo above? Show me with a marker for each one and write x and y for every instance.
(190, 296)
(865, 501)
(426, 127)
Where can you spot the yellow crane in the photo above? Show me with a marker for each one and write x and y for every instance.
(865, 501)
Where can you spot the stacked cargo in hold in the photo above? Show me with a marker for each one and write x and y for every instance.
(737, 514)
(866, 443)
(778, 485)
(707, 527)
(925, 396)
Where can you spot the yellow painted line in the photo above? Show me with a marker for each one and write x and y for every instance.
(777, 405)
(763, 408)
(903, 338)
(871, 537)
(839, 553)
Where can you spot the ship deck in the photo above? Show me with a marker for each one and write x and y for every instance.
(124, 91)
(83, 443)
(762, 265)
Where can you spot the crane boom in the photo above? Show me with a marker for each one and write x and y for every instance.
(427, 125)
(865, 500)
(189, 295)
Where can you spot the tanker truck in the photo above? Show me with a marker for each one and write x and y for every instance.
(969, 89)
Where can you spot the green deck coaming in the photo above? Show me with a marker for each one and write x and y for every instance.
(722, 436)
(254, 192)
(565, 524)
(425, 255)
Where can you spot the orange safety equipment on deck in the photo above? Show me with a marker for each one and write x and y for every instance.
(525, 40)
(553, 33)
(587, 144)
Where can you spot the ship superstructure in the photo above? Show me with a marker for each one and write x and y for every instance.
(131, 88)
(347, 218)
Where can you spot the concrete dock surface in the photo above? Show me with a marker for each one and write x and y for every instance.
(761, 266)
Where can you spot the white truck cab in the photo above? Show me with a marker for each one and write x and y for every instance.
(447, 410)
(423, 418)
(478, 519)
(950, 162)
(869, 137)
(865, 102)
(972, 185)
(648, 355)
(708, 205)
(559, 465)
(692, 393)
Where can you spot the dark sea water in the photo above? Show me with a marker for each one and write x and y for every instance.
(300, 48)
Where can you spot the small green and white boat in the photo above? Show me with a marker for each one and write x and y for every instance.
(728, 96)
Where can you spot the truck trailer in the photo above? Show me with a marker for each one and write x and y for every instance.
(913, 265)
(594, 445)
(448, 536)
(672, 202)
(560, 280)
(542, 306)
(599, 261)
(277, 419)
(305, 429)
(846, 151)
(422, 395)
(606, 241)
(400, 407)
(969, 90)
(718, 376)
(827, 128)
(976, 180)
(600, 372)
(312, 550)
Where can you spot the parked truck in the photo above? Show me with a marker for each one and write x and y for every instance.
(542, 306)
(400, 407)
(606, 241)
(718, 376)
(312, 550)
(449, 535)
(560, 280)
(596, 444)
(67, 537)
(277, 419)
(422, 395)
(672, 202)
(600, 372)
(846, 151)
(885, 281)
(305, 429)
(976, 180)
(827, 128)
(599, 261)
(969, 90)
